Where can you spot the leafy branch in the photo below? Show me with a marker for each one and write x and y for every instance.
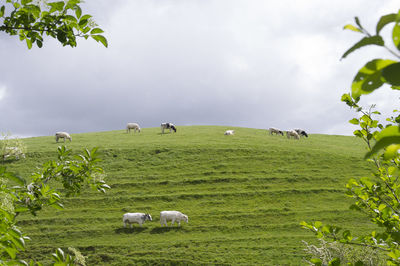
(379, 195)
(62, 20)
(18, 196)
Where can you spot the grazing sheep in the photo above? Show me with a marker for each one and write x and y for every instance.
(301, 132)
(13, 151)
(63, 135)
(292, 133)
(137, 217)
(173, 216)
(134, 126)
(169, 126)
(229, 132)
(276, 131)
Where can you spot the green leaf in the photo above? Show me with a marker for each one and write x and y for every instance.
(384, 20)
(55, 257)
(35, 10)
(391, 74)
(21, 209)
(317, 224)
(56, 6)
(388, 136)
(366, 118)
(100, 38)
(306, 225)
(354, 121)
(71, 4)
(391, 151)
(83, 23)
(96, 31)
(316, 261)
(58, 206)
(60, 253)
(86, 30)
(2, 11)
(24, 2)
(14, 177)
(19, 243)
(381, 207)
(71, 18)
(372, 40)
(39, 43)
(369, 77)
(351, 27)
(12, 252)
(105, 186)
(347, 235)
(78, 11)
(85, 17)
(396, 35)
(15, 233)
(357, 20)
(394, 254)
(28, 43)
(346, 97)
(334, 262)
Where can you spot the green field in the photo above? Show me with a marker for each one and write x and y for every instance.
(245, 196)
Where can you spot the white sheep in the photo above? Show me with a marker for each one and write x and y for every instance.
(63, 135)
(229, 132)
(173, 216)
(136, 217)
(134, 126)
(292, 133)
(276, 131)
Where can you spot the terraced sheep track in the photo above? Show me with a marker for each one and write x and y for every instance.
(245, 196)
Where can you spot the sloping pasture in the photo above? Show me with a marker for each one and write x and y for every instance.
(245, 196)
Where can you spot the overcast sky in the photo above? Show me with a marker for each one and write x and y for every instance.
(257, 64)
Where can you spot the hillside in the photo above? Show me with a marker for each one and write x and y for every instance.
(245, 196)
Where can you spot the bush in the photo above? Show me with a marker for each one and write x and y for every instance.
(11, 147)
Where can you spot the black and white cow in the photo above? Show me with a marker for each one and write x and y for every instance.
(169, 126)
(301, 132)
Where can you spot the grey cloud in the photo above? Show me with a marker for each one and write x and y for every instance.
(240, 63)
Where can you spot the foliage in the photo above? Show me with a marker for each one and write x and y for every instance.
(379, 195)
(79, 259)
(61, 258)
(11, 147)
(19, 196)
(377, 72)
(31, 20)
(328, 251)
(62, 20)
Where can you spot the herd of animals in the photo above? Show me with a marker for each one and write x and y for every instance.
(294, 133)
(129, 127)
(165, 216)
(176, 216)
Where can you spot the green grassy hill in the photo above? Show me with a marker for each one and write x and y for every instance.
(245, 196)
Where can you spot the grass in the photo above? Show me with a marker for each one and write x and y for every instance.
(245, 196)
